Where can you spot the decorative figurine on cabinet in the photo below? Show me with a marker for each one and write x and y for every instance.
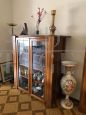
(25, 30)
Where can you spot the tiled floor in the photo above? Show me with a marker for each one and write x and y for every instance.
(16, 102)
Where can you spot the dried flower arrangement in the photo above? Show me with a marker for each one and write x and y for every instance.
(40, 15)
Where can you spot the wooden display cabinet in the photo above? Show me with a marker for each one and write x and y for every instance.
(37, 65)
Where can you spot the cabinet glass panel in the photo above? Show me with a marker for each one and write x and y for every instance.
(38, 68)
(23, 63)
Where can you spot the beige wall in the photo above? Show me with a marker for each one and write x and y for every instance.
(5, 38)
(70, 20)
(77, 44)
(24, 9)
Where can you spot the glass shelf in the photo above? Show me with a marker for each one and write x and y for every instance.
(36, 81)
(38, 68)
(21, 64)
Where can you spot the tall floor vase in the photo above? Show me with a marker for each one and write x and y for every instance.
(68, 84)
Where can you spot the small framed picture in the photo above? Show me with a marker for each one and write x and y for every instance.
(7, 71)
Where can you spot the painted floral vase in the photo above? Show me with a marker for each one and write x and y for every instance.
(68, 84)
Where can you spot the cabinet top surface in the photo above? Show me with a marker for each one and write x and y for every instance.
(41, 36)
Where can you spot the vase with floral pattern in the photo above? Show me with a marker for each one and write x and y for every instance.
(68, 84)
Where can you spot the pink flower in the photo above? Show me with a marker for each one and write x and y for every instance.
(40, 15)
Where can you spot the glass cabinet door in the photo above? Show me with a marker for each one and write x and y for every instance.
(23, 63)
(38, 68)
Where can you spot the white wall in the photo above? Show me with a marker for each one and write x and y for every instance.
(68, 21)
(76, 46)
(21, 14)
(5, 38)
(23, 9)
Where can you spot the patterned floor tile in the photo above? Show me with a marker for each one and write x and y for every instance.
(33, 99)
(39, 112)
(24, 98)
(13, 87)
(14, 92)
(3, 99)
(25, 113)
(3, 92)
(37, 105)
(10, 108)
(13, 98)
(16, 102)
(9, 113)
(5, 87)
(23, 92)
(24, 106)
(1, 107)
(53, 111)
(67, 112)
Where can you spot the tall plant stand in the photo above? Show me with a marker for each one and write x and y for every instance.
(12, 25)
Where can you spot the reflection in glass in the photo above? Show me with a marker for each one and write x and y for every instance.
(38, 66)
(23, 62)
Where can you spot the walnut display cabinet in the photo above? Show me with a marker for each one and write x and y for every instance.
(37, 66)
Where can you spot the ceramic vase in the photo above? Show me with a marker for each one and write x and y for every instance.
(68, 84)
